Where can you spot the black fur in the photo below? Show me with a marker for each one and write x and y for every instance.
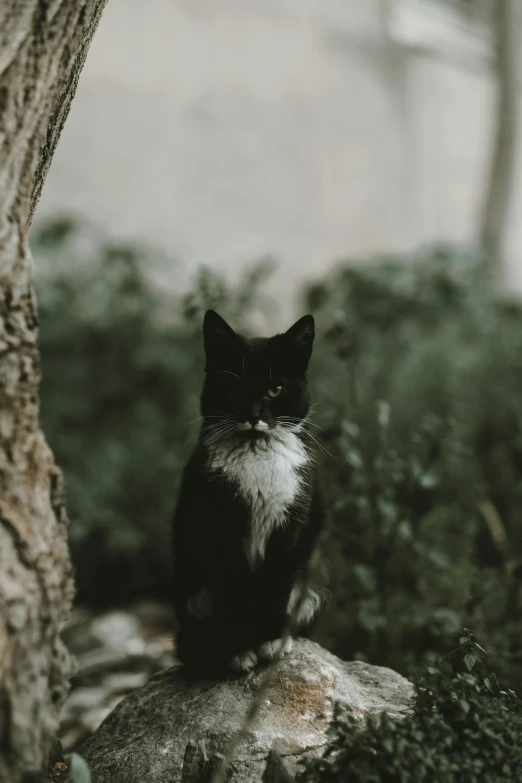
(248, 602)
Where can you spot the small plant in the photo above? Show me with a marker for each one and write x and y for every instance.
(463, 729)
(79, 770)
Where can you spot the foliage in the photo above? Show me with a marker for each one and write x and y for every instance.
(463, 729)
(418, 385)
(415, 379)
(122, 366)
(79, 769)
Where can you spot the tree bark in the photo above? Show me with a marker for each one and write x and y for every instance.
(43, 44)
(499, 184)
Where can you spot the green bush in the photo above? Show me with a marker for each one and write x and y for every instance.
(463, 729)
(122, 364)
(416, 384)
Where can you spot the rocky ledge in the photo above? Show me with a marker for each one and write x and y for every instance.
(146, 736)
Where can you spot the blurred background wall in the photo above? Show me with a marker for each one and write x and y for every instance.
(224, 130)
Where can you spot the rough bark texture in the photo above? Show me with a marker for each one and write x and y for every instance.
(154, 733)
(499, 185)
(42, 49)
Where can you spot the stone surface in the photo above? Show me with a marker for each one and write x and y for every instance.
(145, 737)
(115, 653)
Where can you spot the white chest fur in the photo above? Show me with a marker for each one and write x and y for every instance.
(267, 474)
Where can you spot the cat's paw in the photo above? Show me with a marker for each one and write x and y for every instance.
(244, 662)
(269, 650)
(199, 605)
(309, 604)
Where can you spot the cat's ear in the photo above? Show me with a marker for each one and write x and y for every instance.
(218, 336)
(301, 337)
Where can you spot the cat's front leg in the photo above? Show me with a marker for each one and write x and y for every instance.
(199, 605)
(267, 651)
(272, 649)
(304, 605)
(244, 662)
(272, 628)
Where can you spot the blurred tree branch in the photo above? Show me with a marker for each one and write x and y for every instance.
(499, 185)
(42, 50)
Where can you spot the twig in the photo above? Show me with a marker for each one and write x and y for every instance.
(498, 532)
(197, 768)
(275, 771)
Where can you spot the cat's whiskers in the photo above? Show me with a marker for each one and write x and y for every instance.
(319, 444)
(217, 431)
(190, 440)
(312, 456)
(204, 429)
(217, 427)
(198, 418)
(223, 415)
(229, 372)
(290, 422)
(206, 438)
(306, 422)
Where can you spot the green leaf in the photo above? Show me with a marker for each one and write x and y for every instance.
(429, 480)
(79, 769)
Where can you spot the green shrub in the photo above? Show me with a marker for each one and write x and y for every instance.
(417, 385)
(122, 365)
(463, 729)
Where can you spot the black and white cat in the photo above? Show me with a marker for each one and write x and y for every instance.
(250, 511)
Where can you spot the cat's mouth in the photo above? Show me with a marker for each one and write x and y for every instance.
(259, 429)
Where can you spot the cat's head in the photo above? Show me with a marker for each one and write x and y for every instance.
(255, 386)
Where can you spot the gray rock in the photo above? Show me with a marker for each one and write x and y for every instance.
(145, 737)
(82, 699)
(116, 652)
(125, 682)
(116, 629)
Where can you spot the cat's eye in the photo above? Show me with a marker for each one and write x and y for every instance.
(275, 391)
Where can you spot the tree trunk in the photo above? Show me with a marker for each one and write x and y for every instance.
(43, 44)
(499, 185)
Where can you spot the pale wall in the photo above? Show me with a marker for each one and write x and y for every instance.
(222, 130)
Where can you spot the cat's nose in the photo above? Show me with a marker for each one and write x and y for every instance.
(254, 414)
